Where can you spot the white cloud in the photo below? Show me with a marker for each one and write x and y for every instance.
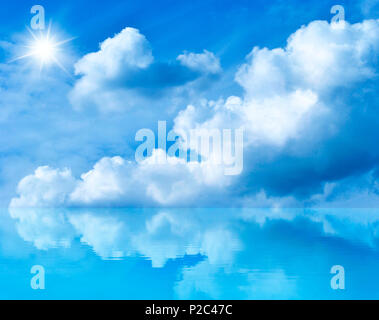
(118, 182)
(126, 52)
(205, 62)
(122, 182)
(318, 57)
(287, 90)
(272, 120)
(109, 180)
(123, 75)
(45, 188)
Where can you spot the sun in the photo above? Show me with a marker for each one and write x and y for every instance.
(44, 49)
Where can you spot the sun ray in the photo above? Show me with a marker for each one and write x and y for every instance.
(61, 66)
(32, 33)
(48, 30)
(65, 41)
(21, 57)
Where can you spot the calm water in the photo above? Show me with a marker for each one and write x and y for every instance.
(189, 253)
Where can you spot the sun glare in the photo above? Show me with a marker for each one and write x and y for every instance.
(45, 49)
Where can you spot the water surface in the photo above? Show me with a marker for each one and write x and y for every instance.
(189, 253)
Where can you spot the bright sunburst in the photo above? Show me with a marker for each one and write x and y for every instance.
(44, 48)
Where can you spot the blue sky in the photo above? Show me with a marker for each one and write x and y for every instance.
(309, 115)
(232, 27)
(303, 89)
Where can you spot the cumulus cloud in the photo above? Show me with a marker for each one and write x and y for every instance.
(298, 100)
(125, 51)
(205, 62)
(120, 55)
(123, 75)
(174, 183)
(284, 87)
(116, 181)
(45, 188)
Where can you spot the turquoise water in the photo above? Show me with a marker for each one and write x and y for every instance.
(189, 253)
